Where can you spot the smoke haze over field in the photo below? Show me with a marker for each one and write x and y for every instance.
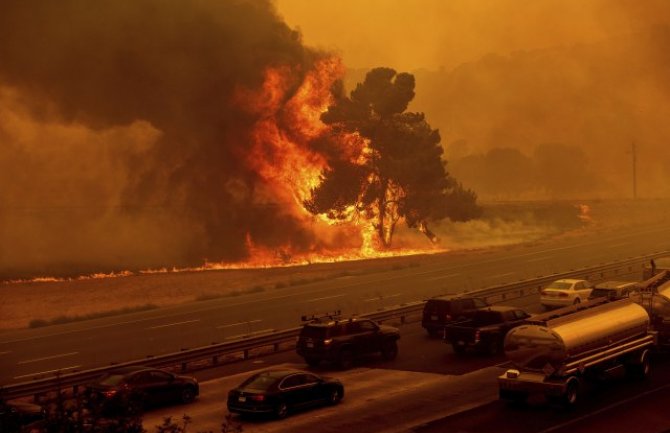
(122, 136)
(124, 133)
(516, 79)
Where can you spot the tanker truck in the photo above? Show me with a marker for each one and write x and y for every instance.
(555, 353)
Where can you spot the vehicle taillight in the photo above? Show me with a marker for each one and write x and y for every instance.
(447, 316)
(259, 397)
(109, 393)
(327, 342)
(477, 336)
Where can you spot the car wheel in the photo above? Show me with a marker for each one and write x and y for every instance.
(458, 349)
(577, 301)
(345, 359)
(187, 395)
(434, 333)
(335, 396)
(390, 350)
(281, 410)
(313, 362)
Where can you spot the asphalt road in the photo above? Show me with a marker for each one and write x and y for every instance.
(29, 353)
(430, 389)
(617, 406)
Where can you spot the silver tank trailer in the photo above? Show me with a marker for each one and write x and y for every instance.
(558, 341)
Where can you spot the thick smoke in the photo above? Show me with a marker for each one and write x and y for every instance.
(123, 144)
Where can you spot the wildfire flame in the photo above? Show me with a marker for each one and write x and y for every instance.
(289, 114)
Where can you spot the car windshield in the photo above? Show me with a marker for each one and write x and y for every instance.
(560, 285)
(111, 379)
(485, 317)
(261, 382)
(438, 305)
(316, 332)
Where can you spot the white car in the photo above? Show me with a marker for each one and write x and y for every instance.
(565, 292)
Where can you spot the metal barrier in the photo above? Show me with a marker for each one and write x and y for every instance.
(495, 294)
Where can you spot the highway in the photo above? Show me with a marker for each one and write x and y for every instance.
(29, 353)
(429, 389)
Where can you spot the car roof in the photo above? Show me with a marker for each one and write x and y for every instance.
(452, 297)
(501, 308)
(280, 373)
(130, 369)
(568, 280)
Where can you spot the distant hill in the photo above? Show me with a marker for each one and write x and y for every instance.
(567, 114)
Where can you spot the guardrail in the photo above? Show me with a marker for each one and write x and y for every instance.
(274, 339)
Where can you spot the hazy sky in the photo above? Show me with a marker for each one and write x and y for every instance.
(412, 34)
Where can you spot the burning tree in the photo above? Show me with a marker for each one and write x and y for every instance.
(400, 173)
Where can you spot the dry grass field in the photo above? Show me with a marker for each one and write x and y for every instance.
(504, 225)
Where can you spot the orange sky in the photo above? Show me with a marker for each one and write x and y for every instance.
(412, 34)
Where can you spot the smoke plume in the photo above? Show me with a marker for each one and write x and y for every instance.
(123, 141)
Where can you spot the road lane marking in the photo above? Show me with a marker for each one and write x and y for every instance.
(443, 277)
(173, 324)
(5, 353)
(46, 372)
(325, 297)
(238, 323)
(502, 275)
(381, 298)
(60, 355)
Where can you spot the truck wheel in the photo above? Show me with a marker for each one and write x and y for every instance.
(639, 370)
(390, 350)
(345, 360)
(571, 396)
(577, 301)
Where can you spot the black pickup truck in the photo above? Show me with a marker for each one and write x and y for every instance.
(485, 331)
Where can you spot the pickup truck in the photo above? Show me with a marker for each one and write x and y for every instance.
(485, 331)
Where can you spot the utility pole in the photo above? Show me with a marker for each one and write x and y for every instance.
(634, 170)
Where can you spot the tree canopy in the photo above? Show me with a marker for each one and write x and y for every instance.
(401, 174)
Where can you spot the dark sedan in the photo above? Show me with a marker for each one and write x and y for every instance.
(278, 392)
(136, 388)
(18, 416)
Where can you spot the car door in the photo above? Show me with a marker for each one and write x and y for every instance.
(582, 290)
(293, 390)
(369, 340)
(162, 387)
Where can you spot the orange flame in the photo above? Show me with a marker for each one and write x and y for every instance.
(280, 153)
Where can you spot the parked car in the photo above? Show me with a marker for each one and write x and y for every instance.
(441, 311)
(564, 292)
(333, 339)
(16, 416)
(139, 387)
(279, 392)
(613, 290)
